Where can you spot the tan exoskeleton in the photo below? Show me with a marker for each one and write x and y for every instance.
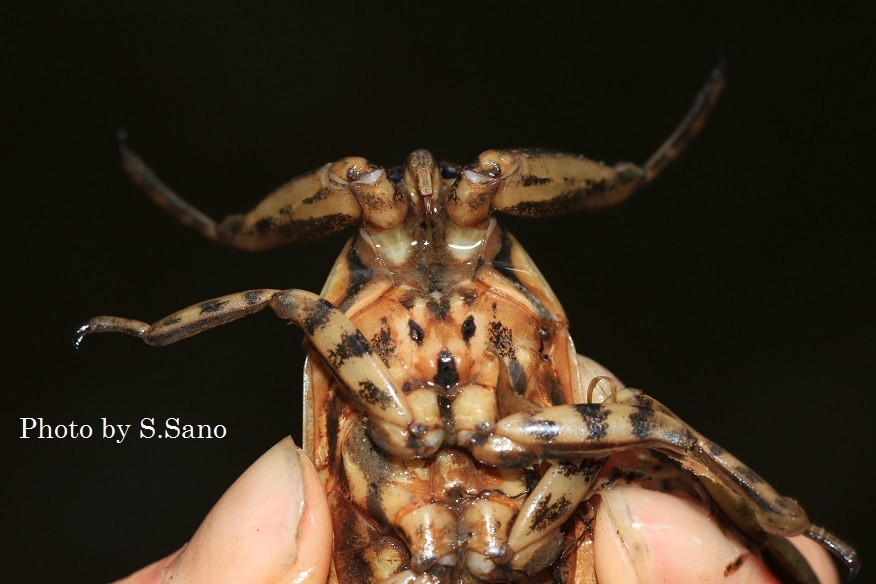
(458, 434)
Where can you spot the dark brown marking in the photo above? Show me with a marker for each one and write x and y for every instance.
(529, 180)
(252, 296)
(502, 260)
(373, 464)
(171, 320)
(212, 306)
(714, 449)
(588, 468)
(544, 430)
(505, 266)
(518, 377)
(642, 421)
(318, 316)
(555, 392)
(264, 225)
(446, 375)
(547, 512)
(383, 343)
(749, 474)
(416, 332)
(310, 229)
(373, 395)
(439, 308)
(478, 440)
(159, 337)
(502, 338)
(408, 299)
(570, 201)
(744, 478)
(350, 345)
(415, 438)
(318, 196)
(468, 328)
(333, 419)
(544, 334)
(595, 417)
(468, 296)
(375, 504)
(359, 273)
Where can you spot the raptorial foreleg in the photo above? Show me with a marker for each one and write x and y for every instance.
(311, 206)
(538, 183)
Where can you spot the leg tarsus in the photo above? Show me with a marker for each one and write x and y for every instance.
(690, 126)
(846, 553)
(184, 323)
(404, 431)
(164, 196)
(534, 183)
(109, 324)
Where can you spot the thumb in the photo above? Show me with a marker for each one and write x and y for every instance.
(271, 525)
(645, 536)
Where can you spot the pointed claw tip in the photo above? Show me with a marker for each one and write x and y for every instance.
(853, 565)
(80, 335)
(845, 553)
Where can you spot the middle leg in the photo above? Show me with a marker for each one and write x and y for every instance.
(403, 428)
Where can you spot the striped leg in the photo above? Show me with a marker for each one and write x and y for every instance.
(312, 206)
(597, 430)
(393, 424)
(570, 432)
(537, 183)
(769, 518)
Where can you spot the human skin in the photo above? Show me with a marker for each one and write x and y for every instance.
(273, 526)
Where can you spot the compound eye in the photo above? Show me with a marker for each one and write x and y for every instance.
(396, 174)
(449, 170)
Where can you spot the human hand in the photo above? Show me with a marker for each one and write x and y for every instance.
(273, 526)
(645, 536)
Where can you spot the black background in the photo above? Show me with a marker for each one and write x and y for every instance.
(736, 289)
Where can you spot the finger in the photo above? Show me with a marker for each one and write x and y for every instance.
(643, 537)
(821, 562)
(271, 525)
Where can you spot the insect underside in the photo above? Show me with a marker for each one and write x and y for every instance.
(459, 436)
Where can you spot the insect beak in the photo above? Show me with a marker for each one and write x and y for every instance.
(424, 186)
